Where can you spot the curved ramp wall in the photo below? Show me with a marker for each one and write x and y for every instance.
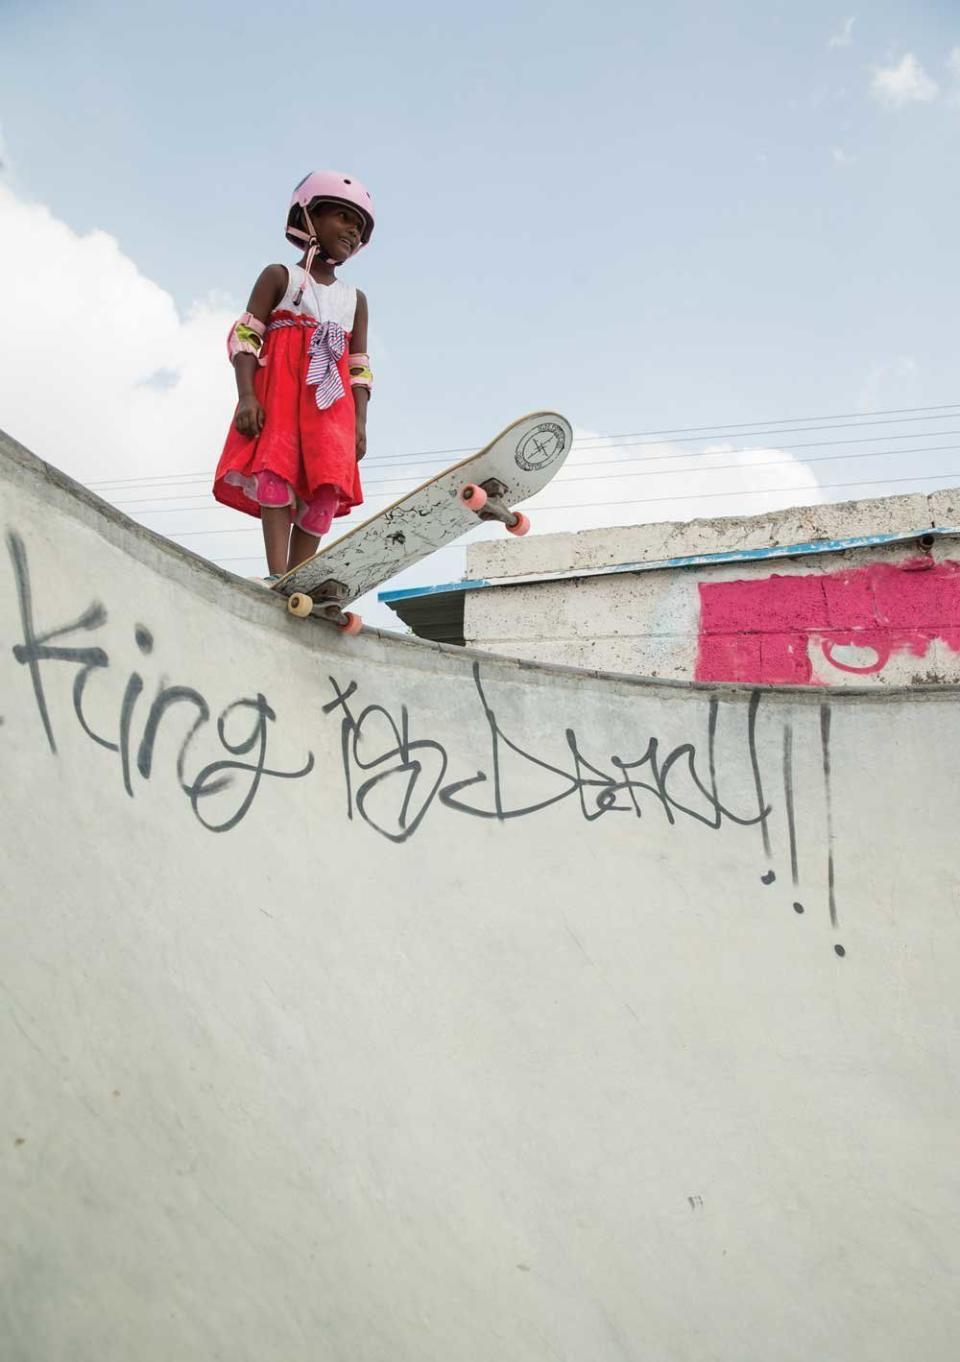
(366, 1000)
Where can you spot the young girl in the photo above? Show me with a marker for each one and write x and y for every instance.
(303, 379)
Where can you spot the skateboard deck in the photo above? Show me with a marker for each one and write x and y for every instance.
(484, 486)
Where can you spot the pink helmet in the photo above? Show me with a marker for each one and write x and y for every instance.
(330, 185)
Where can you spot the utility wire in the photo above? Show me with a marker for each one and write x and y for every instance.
(635, 439)
(746, 430)
(796, 420)
(209, 505)
(750, 492)
(679, 496)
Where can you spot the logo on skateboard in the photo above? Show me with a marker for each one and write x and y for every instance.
(541, 447)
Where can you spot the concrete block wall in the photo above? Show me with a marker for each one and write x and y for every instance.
(878, 614)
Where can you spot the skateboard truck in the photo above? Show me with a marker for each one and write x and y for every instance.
(326, 605)
(486, 501)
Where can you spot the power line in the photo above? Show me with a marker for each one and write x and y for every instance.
(796, 420)
(208, 505)
(635, 439)
(679, 496)
(749, 492)
(747, 430)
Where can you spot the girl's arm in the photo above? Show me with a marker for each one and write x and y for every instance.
(267, 292)
(361, 395)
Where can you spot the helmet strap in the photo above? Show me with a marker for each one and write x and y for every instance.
(313, 245)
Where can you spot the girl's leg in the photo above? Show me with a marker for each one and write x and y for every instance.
(302, 547)
(276, 536)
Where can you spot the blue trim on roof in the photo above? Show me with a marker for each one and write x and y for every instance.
(862, 541)
(441, 589)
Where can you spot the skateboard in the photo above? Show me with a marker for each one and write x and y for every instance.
(485, 486)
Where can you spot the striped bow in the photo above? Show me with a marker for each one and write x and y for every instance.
(327, 344)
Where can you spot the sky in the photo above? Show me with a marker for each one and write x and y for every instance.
(735, 219)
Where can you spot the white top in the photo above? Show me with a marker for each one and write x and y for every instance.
(336, 302)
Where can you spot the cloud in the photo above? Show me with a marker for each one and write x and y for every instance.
(905, 83)
(840, 157)
(102, 376)
(609, 483)
(844, 35)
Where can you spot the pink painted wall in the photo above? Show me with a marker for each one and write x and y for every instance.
(818, 629)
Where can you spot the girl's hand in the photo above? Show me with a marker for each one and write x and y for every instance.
(361, 441)
(249, 417)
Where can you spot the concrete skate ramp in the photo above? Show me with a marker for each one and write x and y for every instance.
(369, 1001)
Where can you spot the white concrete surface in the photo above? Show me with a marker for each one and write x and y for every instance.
(501, 559)
(469, 1041)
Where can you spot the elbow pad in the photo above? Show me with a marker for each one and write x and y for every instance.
(361, 375)
(245, 337)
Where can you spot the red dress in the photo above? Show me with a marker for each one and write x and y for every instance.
(305, 456)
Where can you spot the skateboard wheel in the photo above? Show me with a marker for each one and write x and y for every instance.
(300, 604)
(473, 497)
(522, 524)
(352, 624)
